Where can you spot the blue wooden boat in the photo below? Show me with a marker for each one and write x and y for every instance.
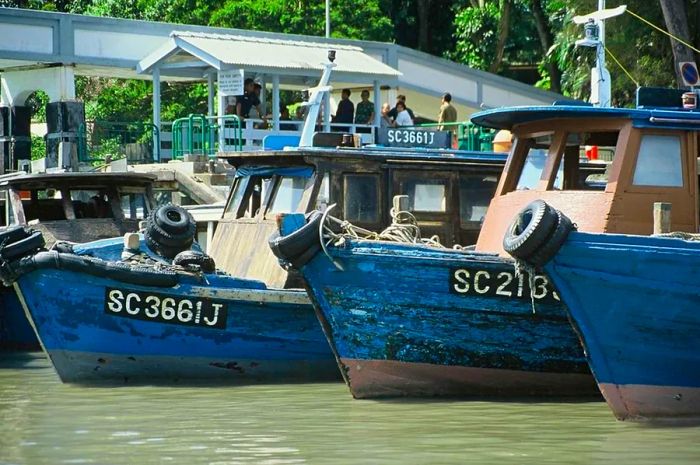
(645, 155)
(147, 320)
(633, 300)
(416, 320)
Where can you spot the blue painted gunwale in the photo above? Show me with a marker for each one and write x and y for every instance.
(271, 335)
(392, 303)
(634, 301)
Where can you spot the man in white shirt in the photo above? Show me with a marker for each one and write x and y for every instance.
(402, 116)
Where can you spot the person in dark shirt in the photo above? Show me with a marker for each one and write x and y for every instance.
(346, 109)
(393, 112)
(247, 100)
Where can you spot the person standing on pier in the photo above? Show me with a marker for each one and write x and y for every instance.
(346, 109)
(447, 113)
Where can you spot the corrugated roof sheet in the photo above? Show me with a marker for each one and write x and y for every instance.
(252, 52)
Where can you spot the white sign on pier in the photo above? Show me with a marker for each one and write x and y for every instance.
(230, 82)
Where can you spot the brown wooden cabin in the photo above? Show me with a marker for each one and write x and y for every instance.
(653, 153)
(448, 193)
(78, 207)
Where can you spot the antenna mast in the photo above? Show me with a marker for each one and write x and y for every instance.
(594, 29)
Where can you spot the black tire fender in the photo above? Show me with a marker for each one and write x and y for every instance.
(530, 228)
(13, 234)
(552, 245)
(293, 245)
(181, 240)
(23, 247)
(191, 257)
(173, 219)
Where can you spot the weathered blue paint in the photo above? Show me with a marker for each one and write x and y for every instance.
(270, 335)
(634, 300)
(391, 310)
(15, 331)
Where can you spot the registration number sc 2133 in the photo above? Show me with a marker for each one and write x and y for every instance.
(500, 283)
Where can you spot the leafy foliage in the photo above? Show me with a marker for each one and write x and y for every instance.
(466, 31)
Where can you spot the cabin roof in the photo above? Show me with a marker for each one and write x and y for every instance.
(381, 154)
(508, 117)
(75, 180)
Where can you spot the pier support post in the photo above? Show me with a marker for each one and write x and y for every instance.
(276, 102)
(156, 113)
(662, 217)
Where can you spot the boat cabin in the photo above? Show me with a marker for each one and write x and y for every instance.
(448, 192)
(647, 154)
(78, 207)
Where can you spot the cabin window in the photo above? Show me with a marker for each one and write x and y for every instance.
(582, 165)
(425, 195)
(324, 193)
(90, 204)
(288, 195)
(659, 162)
(475, 193)
(361, 195)
(43, 205)
(248, 195)
(134, 206)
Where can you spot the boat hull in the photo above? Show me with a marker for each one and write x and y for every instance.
(267, 335)
(399, 325)
(15, 331)
(634, 302)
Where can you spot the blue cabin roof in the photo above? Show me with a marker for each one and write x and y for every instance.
(507, 117)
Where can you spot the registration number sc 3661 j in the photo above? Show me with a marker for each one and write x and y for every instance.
(164, 308)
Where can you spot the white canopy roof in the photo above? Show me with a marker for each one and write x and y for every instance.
(193, 54)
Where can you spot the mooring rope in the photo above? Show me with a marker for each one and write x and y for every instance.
(403, 228)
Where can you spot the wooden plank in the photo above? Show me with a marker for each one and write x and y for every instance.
(662, 217)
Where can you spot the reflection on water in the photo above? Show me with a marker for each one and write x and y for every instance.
(45, 422)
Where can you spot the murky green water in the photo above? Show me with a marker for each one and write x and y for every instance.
(45, 422)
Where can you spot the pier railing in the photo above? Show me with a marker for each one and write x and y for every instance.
(466, 136)
(100, 141)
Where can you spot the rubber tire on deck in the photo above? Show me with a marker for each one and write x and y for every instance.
(552, 245)
(173, 219)
(181, 240)
(23, 247)
(293, 245)
(530, 229)
(13, 234)
(191, 257)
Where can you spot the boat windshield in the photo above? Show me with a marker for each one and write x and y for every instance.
(582, 162)
(288, 194)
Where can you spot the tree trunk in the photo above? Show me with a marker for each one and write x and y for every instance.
(677, 24)
(544, 31)
(423, 7)
(503, 27)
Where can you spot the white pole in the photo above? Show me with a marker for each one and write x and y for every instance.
(603, 87)
(601, 27)
(328, 19)
(276, 102)
(210, 94)
(156, 111)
